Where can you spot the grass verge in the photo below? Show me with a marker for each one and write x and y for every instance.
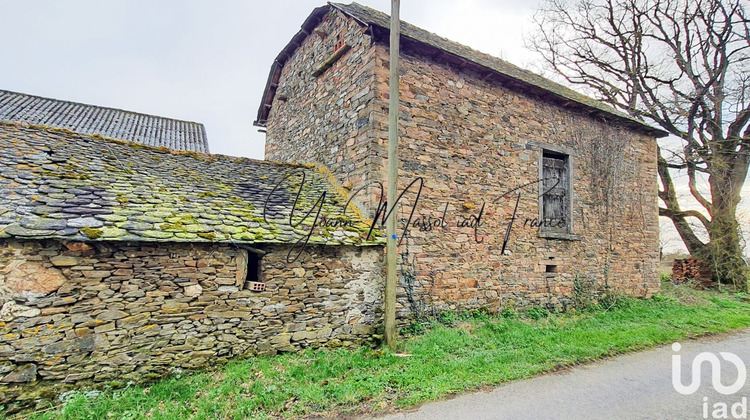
(472, 351)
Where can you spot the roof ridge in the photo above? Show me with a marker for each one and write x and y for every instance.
(368, 16)
(342, 8)
(99, 106)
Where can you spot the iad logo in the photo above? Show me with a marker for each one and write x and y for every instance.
(720, 409)
(715, 363)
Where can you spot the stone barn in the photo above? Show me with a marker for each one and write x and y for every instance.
(123, 262)
(517, 191)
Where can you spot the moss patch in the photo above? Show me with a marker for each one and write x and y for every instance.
(91, 233)
(209, 236)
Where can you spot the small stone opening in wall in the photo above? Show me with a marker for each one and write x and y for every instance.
(551, 268)
(252, 280)
(340, 43)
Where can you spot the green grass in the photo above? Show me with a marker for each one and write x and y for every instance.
(460, 354)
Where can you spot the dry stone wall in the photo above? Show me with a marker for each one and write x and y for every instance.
(94, 314)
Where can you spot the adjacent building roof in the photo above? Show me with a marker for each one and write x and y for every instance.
(59, 184)
(445, 50)
(145, 129)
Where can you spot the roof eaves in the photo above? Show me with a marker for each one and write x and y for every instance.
(517, 74)
(278, 64)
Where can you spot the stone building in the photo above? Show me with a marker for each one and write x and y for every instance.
(530, 192)
(122, 262)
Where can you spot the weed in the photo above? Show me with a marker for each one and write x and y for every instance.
(537, 312)
(583, 294)
(589, 295)
(448, 318)
(662, 298)
(509, 313)
(415, 327)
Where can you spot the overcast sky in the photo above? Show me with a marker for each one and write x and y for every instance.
(207, 61)
(199, 60)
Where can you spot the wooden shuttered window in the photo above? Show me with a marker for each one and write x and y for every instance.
(556, 193)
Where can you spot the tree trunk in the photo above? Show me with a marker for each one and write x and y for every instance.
(725, 257)
(726, 260)
(723, 252)
(673, 211)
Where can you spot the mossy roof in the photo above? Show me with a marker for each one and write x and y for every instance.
(525, 80)
(149, 130)
(60, 184)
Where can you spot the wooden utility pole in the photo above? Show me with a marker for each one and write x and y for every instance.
(391, 277)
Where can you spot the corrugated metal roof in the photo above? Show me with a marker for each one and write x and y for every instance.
(149, 130)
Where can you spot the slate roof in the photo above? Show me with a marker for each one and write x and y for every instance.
(526, 80)
(60, 184)
(149, 130)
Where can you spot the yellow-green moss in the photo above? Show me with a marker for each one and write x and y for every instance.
(91, 233)
(210, 236)
(177, 223)
(172, 226)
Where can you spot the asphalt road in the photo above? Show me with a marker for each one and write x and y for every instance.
(633, 386)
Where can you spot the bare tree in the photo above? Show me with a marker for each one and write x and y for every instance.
(683, 65)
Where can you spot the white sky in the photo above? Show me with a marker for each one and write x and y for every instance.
(206, 61)
(198, 60)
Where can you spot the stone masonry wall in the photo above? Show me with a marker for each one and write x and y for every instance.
(327, 119)
(472, 139)
(94, 314)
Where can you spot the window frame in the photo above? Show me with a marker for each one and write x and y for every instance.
(569, 156)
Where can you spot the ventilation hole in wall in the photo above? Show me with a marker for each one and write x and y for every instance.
(252, 281)
(255, 286)
(551, 268)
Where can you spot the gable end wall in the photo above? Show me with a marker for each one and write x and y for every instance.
(328, 119)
